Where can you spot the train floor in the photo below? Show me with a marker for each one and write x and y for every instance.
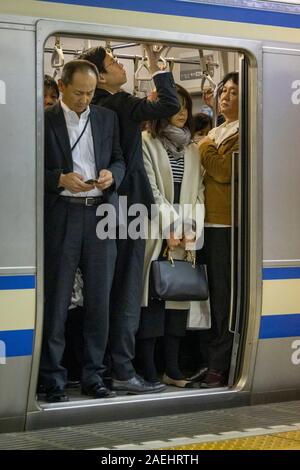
(273, 426)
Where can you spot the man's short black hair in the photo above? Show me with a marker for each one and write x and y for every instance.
(74, 66)
(49, 82)
(96, 55)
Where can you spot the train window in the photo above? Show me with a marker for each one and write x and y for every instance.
(220, 113)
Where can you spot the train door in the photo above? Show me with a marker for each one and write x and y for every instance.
(244, 263)
(18, 220)
(278, 364)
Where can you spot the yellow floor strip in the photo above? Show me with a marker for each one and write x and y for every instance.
(279, 441)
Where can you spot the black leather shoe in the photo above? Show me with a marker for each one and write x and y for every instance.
(56, 395)
(159, 386)
(136, 385)
(97, 390)
(198, 376)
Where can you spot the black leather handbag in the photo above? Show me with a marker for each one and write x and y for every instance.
(179, 280)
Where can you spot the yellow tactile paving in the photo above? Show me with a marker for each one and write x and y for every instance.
(279, 441)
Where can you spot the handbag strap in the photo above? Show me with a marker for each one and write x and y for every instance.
(167, 254)
(83, 131)
(189, 256)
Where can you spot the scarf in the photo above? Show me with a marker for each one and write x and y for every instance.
(175, 139)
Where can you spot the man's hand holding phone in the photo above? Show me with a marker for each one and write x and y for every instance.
(74, 183)
(105, 180)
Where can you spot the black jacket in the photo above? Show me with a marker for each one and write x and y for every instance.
(58, 156)
(132, 111)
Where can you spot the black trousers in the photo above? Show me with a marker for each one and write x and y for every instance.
(217, 249)
(73, 354)
(71, 241)
(125, 306)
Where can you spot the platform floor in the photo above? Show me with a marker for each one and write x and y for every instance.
(269, 426)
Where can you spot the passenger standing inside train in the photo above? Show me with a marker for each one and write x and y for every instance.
(174, 170)
(81, 143)
(127, 288)
(73, 351)
(51, 91)
(216, 153)
(202, 124)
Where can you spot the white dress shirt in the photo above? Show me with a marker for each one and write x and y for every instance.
(83, 154)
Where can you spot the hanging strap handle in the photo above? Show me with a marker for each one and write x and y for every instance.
(57, 58)
(83, 131)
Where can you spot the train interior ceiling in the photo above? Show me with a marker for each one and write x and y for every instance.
(194, 68)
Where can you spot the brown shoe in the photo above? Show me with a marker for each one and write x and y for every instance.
(213, 378)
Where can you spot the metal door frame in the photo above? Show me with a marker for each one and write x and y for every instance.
(159, 403)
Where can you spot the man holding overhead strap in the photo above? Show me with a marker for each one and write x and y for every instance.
(127, 286)
(81, 144)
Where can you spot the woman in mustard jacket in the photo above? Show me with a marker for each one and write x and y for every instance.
(216, 154)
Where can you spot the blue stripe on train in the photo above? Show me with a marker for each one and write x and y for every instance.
(292, 272)
(196, 10)
(279, 326)
(17, 282)
(17, 342)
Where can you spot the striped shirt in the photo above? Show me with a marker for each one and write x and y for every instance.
(177, 166)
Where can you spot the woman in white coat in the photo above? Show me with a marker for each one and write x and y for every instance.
(175, 174)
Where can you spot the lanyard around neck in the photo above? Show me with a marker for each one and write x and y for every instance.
(83, 131)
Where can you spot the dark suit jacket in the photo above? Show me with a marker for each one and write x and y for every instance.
(132, 111)
(58, 156)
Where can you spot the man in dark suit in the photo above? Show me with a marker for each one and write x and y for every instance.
(127, 286)
(81, 144)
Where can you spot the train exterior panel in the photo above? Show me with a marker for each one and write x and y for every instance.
(269, 37)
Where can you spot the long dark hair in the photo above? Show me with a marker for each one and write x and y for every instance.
(156, 127)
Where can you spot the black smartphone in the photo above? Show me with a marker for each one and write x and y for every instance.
(91, 181)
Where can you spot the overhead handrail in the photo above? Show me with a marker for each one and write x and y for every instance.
(175, 60)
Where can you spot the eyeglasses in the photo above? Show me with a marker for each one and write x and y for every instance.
(113, 62)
